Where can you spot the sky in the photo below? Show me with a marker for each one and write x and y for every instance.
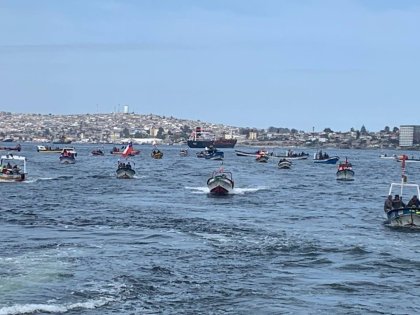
(304, 64)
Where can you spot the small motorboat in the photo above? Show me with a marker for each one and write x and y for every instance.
(97, 152)
(324, 158)
(284, 164)
(211, 153)
(67, 158)
(262, 158)
(291, 155)
(15, 148)
(125, 170)
(183, 152)
(10, 171)
(117, 151)
(48, 149)
(220, 183)
(345, 171)
(157, 154)
(253, 154)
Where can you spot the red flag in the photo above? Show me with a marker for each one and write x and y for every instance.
(128, 149)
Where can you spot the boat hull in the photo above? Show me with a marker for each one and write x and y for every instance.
(8, 178)
(220, 185)
(67, 160)
(125, 173)
(284, 165)
(345, 175)
(331, 160)
(405, 217)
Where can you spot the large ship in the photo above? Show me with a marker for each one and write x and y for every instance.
(201, 139)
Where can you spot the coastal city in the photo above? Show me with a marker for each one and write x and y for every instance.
(149, 128)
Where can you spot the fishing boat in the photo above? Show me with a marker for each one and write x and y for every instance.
(183, 152)
(284, 164)
(48, 149)
(61, 140)
(67, 157)
(253, 154)
(15, 148)
(117, 151)
(324, 158)
(345, 171)
(408, 159)
(157, 154)
(388, 157)
(290, 155)
(211, 153)
(220, 183)
(404, 215)
(200, 138)
(262, 158)
(125, 170)
(97, 152)
(10, 170)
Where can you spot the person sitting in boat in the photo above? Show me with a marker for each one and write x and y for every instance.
(388, 204)
(397, 203)
(128, 165)
(9, 166)
(414, 202)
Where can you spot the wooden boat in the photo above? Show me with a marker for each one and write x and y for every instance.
(10, 171)
(345, 171)
(253, 154)
(324, 158)
(125, 170)
(15, 148)
(220, 183)
(284, 164)
(290, 155)
(402, 215)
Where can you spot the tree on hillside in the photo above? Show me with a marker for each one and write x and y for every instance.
(387, 129)
(328, 130)
(363, 130)
(395, 130)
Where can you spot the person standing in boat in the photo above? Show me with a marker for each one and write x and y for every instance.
(388, 204)
(397, 203)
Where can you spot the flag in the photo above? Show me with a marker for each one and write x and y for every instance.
(128, 149)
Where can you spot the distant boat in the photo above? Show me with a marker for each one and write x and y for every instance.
(345, 171)
(61, 140)
(97, 152)
(284, 164)
(10, 171)
(157, 154)
(290, 155)
(324, 158)
(254, 153)
(201, 139)
(67, 157)
(8, 139)
(15, 148)
(183, 152)
(125, 170)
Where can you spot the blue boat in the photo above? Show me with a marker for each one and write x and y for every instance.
(324, 158)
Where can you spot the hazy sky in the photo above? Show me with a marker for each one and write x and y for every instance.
(254, 63)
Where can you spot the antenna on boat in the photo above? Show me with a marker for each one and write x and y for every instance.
(403, 176)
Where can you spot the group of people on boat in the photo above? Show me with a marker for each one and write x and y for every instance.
(397, 203)
(321, 155)
(66, 153)
(124, 165)
(10, 169)
(291, 153)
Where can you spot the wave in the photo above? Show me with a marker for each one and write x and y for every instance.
(52, 308)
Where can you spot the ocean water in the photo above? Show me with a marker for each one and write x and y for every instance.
(76, 240)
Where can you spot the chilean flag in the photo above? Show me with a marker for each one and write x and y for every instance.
(128, 149)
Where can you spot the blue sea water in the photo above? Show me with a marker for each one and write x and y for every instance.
(76, 240)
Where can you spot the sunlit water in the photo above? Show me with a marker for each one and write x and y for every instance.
(76, 240)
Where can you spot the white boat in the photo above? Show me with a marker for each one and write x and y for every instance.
(125, 170)
(284, 164)
(388, 157)
(10, 170)
(404, 216)
(220, 183)
(68, 156)
(345, 171)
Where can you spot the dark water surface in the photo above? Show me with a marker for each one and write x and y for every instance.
(76, 240)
